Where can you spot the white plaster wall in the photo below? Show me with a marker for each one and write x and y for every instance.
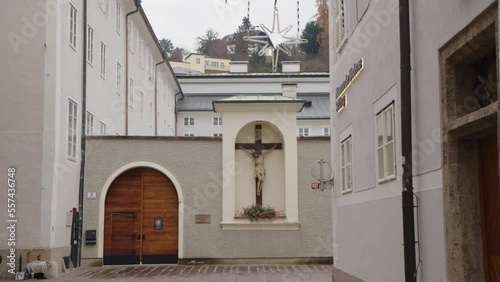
(375, 208)
(237, 118)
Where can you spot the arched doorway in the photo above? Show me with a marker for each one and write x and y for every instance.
(141, 219)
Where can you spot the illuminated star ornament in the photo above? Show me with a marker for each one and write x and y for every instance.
(275, 39)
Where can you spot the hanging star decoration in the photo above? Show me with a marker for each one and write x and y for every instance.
(275, 40)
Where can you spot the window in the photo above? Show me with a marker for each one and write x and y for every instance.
(217, 121)
(142, 50)
(198, 61)
(222, 65)
(118, 17)
(72, 128)
(207, 64)
(303, 131)
(151, 68)
(217, 134)
(326, 131)
(131, 36)
(72, 26)
(102, 128)
(118, 78)
(142, 104)
(104, 4)
(89, 125)
(103, 60)
(340, 22)
(131, 93)
(189, 121)
(151, 114)
(346, 165)
(189, 134)
(90, 45)
(385, 144)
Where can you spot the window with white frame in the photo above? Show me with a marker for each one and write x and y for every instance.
(142, 104)
(346, 165)
(189, 121)
(72, 128)
(90, 45)
(131, 36)
(118, 17)
(72, 25)
(118, 78)
(303, 131)
(151, 118)
(102, 128)
(385, 144)
(326, 131)
(198, 61)
(222, 65)
(189, 134)
(142, 50)
(340, 22)
(89, 125)
(217, 134)
(207, 63)
(217, 120)
(131, 92)
(103, 60)
(104, 4)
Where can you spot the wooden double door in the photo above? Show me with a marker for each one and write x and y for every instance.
(490, 206)
(141, 219)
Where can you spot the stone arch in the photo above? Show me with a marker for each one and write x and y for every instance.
(120, 171)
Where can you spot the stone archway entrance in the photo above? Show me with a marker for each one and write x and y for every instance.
(141, 219)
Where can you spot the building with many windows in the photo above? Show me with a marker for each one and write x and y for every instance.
(196, 116)
(202, 64)
(68, 70)
(454, 141)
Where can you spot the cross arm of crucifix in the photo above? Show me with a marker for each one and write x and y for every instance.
(272, 148)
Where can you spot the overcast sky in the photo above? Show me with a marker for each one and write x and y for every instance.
(184, 20)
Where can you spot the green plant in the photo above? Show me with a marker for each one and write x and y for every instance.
(256, 212)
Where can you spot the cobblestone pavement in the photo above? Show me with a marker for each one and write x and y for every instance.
(209, 273)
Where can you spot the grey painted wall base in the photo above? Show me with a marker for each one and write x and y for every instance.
(302, 261)
(340, 276)
(91, 262)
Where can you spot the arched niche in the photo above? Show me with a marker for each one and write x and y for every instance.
(273, 189)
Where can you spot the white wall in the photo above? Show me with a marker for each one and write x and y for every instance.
(203, 124)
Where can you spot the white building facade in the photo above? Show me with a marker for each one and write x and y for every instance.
(453, 51)
(195, 115)
(130, 90)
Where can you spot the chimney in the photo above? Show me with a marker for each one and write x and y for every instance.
(289, 90)
(290, 66)
(238, 67)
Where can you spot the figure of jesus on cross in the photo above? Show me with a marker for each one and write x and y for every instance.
(256, 150)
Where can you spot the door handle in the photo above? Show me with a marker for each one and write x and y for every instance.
(139, 236)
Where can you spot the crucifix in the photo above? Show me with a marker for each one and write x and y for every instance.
(256, 151)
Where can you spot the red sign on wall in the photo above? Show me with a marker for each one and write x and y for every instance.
(315, 185)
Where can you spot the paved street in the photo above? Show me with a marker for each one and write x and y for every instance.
(209, 273)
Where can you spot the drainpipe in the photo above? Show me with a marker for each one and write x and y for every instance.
(175, 108)
(127, 79)
(406, 144)
(156, 95)
(83, 138)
